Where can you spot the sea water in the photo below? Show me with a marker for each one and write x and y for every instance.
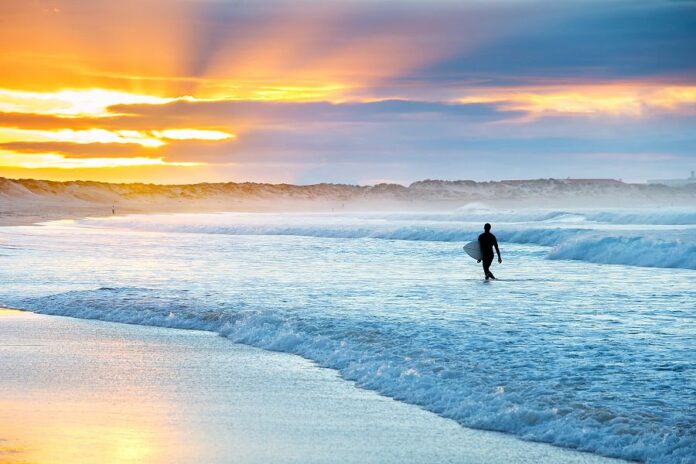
(587, 340)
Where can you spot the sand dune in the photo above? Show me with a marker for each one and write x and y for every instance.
(30, 200)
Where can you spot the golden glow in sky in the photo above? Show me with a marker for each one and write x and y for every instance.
(95, 103)
(153, 139)
(73, 102)
(80, 136)
(199, 89)
(191, 134)
(49, 160)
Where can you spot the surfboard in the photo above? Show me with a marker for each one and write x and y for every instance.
(473, 249)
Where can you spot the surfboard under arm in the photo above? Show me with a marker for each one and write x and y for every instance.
(473, 249)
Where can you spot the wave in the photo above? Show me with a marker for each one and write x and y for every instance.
(670, 249)
(628, 250)
(649, 217)
(667, 216)
(482, 216)
(401, 359)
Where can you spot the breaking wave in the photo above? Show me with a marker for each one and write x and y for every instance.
(629, 250)
(665, 216)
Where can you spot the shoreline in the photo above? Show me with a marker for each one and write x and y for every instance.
(152, 394)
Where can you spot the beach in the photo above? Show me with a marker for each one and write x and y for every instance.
(92, 392)
(253, 232)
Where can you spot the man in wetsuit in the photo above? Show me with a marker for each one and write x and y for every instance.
(487, 242)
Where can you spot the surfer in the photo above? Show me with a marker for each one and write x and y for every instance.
(487, 242)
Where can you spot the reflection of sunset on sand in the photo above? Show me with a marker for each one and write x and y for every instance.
(77, 435)
(83, 405)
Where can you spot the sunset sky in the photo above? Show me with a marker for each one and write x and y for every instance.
(364, 91)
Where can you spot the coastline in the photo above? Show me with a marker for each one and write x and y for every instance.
(100, 391)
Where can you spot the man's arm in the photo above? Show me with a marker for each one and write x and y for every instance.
(497, 250)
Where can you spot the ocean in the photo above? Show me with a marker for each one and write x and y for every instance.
(586, 341)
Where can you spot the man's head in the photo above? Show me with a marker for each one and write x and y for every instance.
(487, 227)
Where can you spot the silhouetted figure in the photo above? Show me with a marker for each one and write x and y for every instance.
(487, 242)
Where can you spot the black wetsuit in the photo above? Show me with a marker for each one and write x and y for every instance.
(487, 242)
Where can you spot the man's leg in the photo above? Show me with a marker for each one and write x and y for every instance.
(487, 267)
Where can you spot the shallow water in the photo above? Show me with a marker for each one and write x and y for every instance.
(588, 340)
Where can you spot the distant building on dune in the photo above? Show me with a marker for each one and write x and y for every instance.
(675, 182)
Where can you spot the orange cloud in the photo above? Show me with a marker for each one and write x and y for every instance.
(610, 99)
(79, 150)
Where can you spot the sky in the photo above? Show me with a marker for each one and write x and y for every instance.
(358, 92)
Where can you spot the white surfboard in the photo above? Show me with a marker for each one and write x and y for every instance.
(473, 249)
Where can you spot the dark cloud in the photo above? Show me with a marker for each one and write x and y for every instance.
(231, 113)
(80, 150)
